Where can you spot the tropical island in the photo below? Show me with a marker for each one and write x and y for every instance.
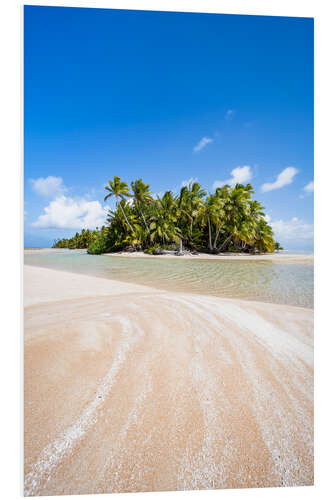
(168, 344)
(190, 221)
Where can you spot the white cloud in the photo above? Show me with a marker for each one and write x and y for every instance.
(283, 179)
(229, 114)
(294, 229)
(191, 180)
(69, 213)
(202, 144)
(239, 175)
(49, 186)
(309, 188)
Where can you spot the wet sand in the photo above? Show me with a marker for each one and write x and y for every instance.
(132, 389)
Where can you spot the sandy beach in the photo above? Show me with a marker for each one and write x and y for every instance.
(272, 257)
(129, 388)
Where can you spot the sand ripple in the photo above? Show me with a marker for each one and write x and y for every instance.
(158, 391)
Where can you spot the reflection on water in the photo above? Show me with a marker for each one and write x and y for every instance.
(260, 280)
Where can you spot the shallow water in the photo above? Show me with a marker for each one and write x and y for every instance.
(265, 281)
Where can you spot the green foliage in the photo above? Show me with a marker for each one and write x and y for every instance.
(151, 250)
(79, 240)
(229, 220)
(99, 245)
(277, 246)
(171, 246)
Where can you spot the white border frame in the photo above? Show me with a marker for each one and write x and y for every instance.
(12, 231)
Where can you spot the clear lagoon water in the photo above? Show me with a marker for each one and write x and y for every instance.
(252, 280)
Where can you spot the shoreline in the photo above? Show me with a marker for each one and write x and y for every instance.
(279, 258)
(74, 288)
(162, 390)
(273, 257)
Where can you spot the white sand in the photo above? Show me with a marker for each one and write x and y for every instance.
(273, 257)
(133, 389)
(47, 285)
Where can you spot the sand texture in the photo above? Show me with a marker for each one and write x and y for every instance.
(133, 389)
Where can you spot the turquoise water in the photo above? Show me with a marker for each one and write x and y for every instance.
(260, 280)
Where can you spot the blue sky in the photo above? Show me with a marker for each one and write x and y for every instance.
(167, 97)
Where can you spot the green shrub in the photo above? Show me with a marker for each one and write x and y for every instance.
(98, 246)
(152, 249)
(169, 246)
(149, 251)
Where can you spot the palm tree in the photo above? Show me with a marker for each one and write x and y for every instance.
(189, 204)
(141, 195)
(119, 189)
(227, 219)
(237, 213)
(264, 236)
(277, 246)
(210, 215)
(163, 220)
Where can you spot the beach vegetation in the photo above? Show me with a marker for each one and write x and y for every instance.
(227, 220)
(277, 246)
(79, 240)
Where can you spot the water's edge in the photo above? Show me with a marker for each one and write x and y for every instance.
(264, 281)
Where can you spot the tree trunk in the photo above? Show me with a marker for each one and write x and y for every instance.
(143, 217)
(224, 243)
(126, 218)
(210, 235)
(180, 245)
(216, 236)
